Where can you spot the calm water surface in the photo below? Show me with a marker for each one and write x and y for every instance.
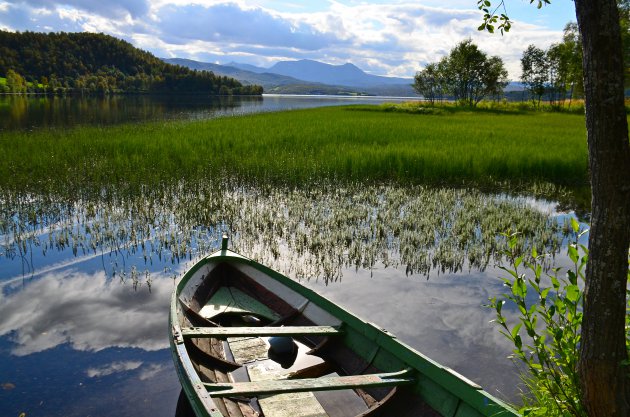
(83, 325)
(27, 112)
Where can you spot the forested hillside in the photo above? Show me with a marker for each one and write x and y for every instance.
(97, 63)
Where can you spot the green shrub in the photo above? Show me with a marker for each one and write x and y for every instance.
(546, 336)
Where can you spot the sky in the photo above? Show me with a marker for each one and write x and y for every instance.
(382, 37)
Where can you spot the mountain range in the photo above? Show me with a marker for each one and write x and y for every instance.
(307, 77)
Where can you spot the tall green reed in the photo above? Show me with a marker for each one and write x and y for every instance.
(302, 147)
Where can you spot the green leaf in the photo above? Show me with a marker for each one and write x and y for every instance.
(518, 342)
(509, 271)
(531, 332)
(573, 254)
(512, 241)
(534, 286)
(482, 27)
(575, 225)
(519, 288)
(532, 310)
(555, 282)
(518, 261)
(515, 330)
(572, 293)
(544, 293)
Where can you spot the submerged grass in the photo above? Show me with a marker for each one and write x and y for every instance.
(304, 147)
(304, 233)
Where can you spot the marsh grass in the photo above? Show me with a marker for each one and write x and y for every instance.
(314, 233)
(310, 192)
(575, 106)
(302, 147)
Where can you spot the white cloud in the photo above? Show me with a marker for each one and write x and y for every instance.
(228, 23)
(394, 38)
(112, 8)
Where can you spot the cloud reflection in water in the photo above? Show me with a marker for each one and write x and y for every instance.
(88, 311)
(113, 368)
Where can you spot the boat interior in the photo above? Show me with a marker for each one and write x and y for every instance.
(261, 348)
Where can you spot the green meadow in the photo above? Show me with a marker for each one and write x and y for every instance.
(347, 144)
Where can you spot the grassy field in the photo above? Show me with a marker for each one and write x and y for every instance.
(359, 143)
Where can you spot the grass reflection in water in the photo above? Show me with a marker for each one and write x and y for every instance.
(313, 233)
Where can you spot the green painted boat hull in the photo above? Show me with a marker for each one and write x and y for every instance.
(439, 387)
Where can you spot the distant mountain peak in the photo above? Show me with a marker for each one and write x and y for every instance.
(346, 74)
(314, 77)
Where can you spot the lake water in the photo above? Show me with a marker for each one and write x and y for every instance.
(27, 112)
(85, 285)
(85, 289)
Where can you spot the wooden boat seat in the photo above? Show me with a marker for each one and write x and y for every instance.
(225, 332)
(282, 386)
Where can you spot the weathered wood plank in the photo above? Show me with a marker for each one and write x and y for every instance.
(314, 371)
(233, 300)
(204, 356)
(194, 317)
(225, 332)
(310, 384)
(248, 349)
(296, 404)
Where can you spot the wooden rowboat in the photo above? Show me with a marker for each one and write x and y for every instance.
(248, 341)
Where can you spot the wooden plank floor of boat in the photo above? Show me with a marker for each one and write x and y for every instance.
(253, 352)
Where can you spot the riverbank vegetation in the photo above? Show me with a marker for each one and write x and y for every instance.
(546, 335)
(554, 298)
(90, 63)
(347, 144)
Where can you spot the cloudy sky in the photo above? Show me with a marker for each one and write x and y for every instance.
(382, 37)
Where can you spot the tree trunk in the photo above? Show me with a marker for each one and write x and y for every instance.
(604, 379)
